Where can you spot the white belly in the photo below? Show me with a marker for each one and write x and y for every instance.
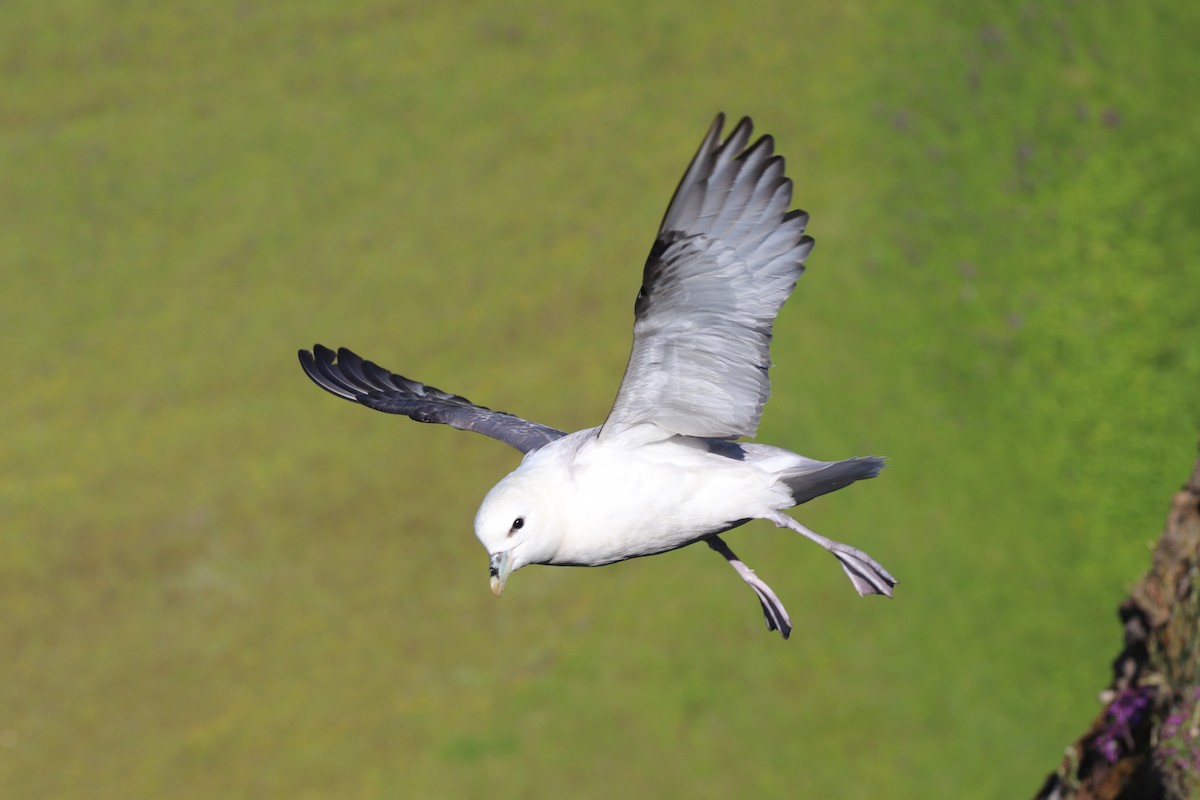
(627, 504)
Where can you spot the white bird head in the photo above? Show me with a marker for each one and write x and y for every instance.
(518, 524)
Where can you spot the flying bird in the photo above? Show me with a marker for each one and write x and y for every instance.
(665, 470)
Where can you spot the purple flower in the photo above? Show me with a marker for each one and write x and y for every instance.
(1125, 711)
(1179, 746)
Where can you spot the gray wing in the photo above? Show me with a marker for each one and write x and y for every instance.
(345, 374)
(727, 256)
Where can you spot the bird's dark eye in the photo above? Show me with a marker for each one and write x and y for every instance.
(518, 523)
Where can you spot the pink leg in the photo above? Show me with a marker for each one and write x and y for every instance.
(773, 610)
(867, 575)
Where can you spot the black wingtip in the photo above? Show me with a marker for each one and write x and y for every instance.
(308, 359)
(319, 367)
(712, 139)
(766, 142)
(743, 123)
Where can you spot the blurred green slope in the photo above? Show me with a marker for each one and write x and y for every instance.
(217, 580)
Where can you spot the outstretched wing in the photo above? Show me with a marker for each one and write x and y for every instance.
(345, 374)
(727, 256)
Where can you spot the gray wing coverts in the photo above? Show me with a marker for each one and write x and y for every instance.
(346, 375)
(727, 256)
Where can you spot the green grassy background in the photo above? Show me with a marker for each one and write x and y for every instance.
(216, 581)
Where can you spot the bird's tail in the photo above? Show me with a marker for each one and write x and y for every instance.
(817, 478)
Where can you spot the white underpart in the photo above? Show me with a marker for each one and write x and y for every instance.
(623, 499)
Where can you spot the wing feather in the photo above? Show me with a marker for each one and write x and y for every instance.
(727, 256)
(348, 376)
